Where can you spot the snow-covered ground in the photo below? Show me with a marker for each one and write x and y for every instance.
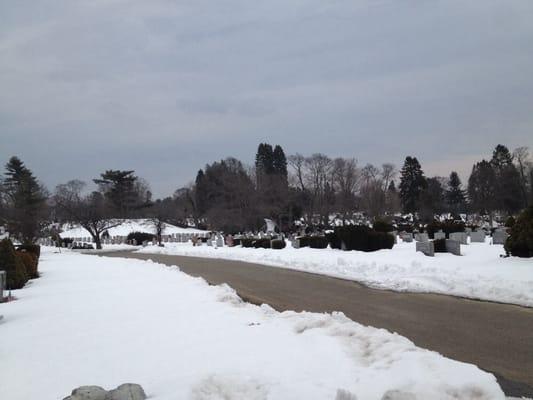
(480, 273)
(106, 321)
(132, 225)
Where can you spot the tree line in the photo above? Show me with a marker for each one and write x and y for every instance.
(230, 196)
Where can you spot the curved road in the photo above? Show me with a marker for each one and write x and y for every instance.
(496, 337)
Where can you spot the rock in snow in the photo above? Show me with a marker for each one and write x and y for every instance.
(127, 391)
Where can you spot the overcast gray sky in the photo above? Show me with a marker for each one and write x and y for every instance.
(163, 87)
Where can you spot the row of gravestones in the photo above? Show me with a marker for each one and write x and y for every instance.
(498, 237)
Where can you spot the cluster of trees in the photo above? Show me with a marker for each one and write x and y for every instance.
(228, 195)
(504, 184)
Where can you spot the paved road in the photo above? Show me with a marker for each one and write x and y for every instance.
(496, 337)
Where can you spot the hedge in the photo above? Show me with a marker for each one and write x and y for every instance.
(278, 244)
(314, 242)
(140, 237)
(13, 265)
(34, 249)
(440, 245)
(520, 240)
(360, 237)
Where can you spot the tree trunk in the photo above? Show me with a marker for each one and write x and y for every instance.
(98, 242)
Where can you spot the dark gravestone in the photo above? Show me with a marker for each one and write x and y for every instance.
(427, 248)
(453, 247)
(460, 237)
(477, 237)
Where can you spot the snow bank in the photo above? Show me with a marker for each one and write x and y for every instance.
(479, 274)
(106, 321)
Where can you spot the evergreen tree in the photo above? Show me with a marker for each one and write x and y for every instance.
(25, 198)
(482, 187)
(412, 183)
(264, 165)
(200, 193)
(432, 199)
(279, 163)
(508, 191)
(122, 190)
(455, 195)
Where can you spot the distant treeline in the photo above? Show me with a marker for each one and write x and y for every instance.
(230, 196)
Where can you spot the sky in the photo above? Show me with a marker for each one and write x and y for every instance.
(163, 87)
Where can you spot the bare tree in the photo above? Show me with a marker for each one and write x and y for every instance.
(318, 179)
(524, 165)
(346, 180)
(297, 162)
(91, 211)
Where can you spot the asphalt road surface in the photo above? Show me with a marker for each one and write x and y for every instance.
(496, 337)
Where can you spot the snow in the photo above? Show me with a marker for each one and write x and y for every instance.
(106, 321)
(480, 273)
(132, 225)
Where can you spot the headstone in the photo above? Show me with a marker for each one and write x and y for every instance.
(406, 237)
(453, 246)
(3, 278)
(427, 248)
(468, 231)
(421, 237)
(296, 243)
(439, 235)
(220, 241)
(477, 237)
(209, 242)
(499, 236)
(460, 237)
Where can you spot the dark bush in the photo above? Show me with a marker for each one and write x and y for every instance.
(13, 265)
(440, 245)
(278, 244)
(380, 225)
(510, 222)
(360, 237)
(34, 249)
(30, 262)
(314, 242)
(447, 227)
(247, 242)
(262, 243)
(140, 237)
(520, 240)
(405, 228)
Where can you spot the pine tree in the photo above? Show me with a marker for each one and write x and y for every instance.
(455, 196)
(508, 191)
(25, 202)
(120, 188)
(412, 183)
(482, 187)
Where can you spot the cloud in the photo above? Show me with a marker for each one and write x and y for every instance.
(166, 86)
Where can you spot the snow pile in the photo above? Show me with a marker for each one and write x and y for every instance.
(132, 225)
(479, 274)
(104, 321)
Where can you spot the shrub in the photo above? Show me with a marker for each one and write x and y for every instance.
(314, 242)
(510, 222)
(247, 242)
(30, 262)
(140, 237)
(440, 245)
(278, 244)
(380, 225)
(520, 240)
(360, 237)
(34, 249)
(13, 265)
(263, 243)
